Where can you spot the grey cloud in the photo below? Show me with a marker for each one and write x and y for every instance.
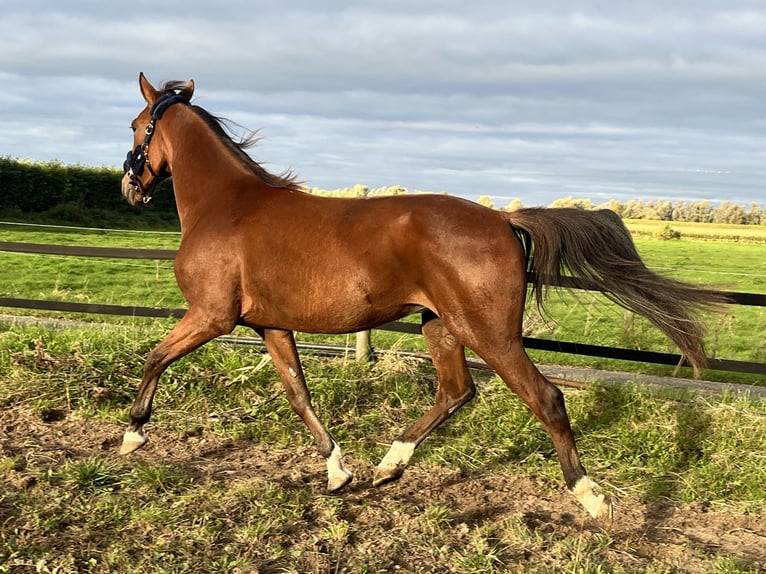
(509, 99)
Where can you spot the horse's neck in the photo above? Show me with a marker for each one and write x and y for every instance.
(204, 170)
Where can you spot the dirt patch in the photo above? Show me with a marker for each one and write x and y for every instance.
(682, 538)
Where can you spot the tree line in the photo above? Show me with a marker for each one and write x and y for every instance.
(659, 210)
(54, 193)
(51, 192)
(663, 210)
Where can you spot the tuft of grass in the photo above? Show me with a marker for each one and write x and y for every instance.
(90, 475)
(730, 565)
(157, 477)
(436, 518)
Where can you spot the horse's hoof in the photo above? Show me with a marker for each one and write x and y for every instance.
(605, 514)
(386, 474)
(132, 441)
(598, 506)
(335, 483)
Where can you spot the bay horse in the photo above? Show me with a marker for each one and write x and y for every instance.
(256, 250)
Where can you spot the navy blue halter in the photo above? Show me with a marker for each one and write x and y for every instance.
(164, 102)
(138, 159)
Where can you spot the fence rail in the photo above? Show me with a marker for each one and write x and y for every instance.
(749, 299)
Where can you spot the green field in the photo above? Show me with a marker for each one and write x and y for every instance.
(740, 333)
(705, 231)
(230, 481)
(93, 280)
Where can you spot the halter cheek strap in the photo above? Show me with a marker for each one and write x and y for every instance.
(139, 157)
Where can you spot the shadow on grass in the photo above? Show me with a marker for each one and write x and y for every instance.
(663, 433)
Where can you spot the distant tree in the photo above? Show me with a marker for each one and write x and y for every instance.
(680, 211)
(664, 210)
(571, 202)
(703, 212)
(649, 211)
(729, 212)
(613, 205)
(514, 205)
(486, 201)
(561, 202)
(633, 209)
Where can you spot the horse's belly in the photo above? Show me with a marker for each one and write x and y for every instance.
(328, 310)
(332, 321)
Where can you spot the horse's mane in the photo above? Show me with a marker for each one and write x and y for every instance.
(286, 180)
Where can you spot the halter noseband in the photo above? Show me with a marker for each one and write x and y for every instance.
(138, 159)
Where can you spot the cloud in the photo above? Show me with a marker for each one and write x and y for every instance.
(507, 99)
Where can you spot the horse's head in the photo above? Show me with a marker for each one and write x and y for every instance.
(144, 169)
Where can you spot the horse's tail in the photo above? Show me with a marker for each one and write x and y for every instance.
(596, 251)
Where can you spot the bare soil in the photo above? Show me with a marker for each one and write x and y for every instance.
(682, 538)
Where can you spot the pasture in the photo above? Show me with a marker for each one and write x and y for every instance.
(729, 232)
(739, 333)
(231, 482)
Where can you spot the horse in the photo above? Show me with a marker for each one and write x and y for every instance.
(257, 250)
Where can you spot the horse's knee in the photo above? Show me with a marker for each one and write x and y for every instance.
(152, 360)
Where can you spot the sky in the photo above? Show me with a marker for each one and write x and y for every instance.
(536, 100)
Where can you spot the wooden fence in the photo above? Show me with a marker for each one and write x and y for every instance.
(363, 345)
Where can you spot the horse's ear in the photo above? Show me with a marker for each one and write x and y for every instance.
(147, 90)
(188, 90)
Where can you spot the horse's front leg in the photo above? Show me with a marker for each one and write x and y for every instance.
(192, 331)
(281, 346)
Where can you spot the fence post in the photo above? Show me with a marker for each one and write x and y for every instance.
(363, 346)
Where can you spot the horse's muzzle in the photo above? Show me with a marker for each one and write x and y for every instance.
(132, 193)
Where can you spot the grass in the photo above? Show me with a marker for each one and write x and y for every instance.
(95, 374)
(704, 231)
(113, 281)
(65, 507)
(738, 334)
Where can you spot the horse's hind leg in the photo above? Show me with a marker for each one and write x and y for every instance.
(547, 403)
(455, 389)
(281, 347)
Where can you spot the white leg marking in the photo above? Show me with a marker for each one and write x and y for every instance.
(596, 505)
(292, 372)
(133, 440)
(337, 475)
(399, 454)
